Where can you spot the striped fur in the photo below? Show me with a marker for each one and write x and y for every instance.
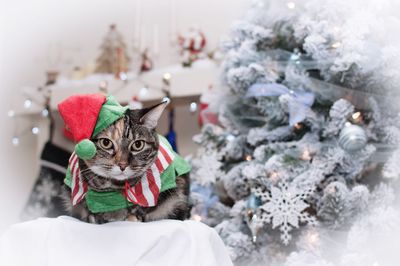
(101, 174)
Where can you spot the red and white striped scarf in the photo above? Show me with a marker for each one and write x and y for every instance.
(144, 193)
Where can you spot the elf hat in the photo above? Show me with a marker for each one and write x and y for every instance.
(87, 115)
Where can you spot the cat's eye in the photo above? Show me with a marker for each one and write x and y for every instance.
(105, 143)
(137, 145)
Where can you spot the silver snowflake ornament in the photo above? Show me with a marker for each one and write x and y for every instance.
(284, 208)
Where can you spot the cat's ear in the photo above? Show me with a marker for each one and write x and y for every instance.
(153, 114)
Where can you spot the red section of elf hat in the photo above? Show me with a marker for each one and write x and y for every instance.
(80, 113)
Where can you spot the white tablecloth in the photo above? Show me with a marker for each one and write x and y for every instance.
(67, 241)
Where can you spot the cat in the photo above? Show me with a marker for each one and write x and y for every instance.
(125, 152)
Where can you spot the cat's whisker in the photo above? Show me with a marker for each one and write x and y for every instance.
(89, 178)
(103, 172)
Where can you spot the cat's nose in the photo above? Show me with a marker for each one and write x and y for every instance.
(122, 166)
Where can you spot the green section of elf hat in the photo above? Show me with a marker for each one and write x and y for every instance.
(87, 115)
(110, 112)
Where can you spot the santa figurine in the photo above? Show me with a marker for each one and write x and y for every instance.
(192, 46)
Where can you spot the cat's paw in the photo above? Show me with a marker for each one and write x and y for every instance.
(133, 218)
(91, 219)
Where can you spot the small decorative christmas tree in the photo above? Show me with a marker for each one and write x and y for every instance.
(113, 58)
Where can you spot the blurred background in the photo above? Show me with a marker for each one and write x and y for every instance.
(65, 37)
(287, 112)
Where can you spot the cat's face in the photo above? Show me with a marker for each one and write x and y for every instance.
(127, 148)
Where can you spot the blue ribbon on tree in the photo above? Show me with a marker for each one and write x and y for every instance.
(206, 192)
(299, 103)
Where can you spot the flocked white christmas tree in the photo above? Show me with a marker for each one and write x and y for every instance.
(308, 134)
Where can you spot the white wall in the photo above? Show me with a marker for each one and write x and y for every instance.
(31, 33)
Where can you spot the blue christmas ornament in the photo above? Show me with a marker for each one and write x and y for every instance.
(207, 196)
(253, 202)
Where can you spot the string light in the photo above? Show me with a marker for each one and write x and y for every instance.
(167, 76)
(15, 141)
(11, 113)
(143, 91)
(298, 126)
(166, 99)
(123, 76)
(312, 238)
(28, 103)
(193, 107)
(35, 130)
(196, 218)
(273, 176)
(336, 45)
(45, 113)
(291, 5)
(248, 158)
(230, 137)
(356, 117)
(306, 156)
(103, 86)
(294, 57)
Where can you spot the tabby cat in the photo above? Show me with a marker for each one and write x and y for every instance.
(125, 152)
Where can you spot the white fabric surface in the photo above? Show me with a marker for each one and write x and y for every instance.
(67, 241)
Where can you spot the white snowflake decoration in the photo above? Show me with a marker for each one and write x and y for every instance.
(207, 167)
(46, 190)
(35, 210)
(284, 208)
